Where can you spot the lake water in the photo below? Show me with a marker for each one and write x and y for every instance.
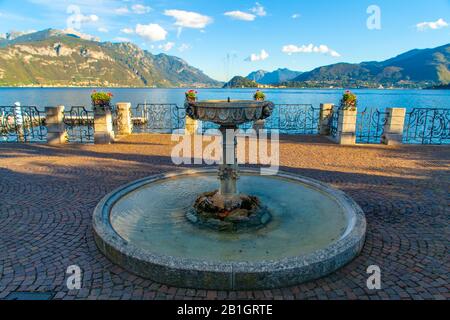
(370, 98)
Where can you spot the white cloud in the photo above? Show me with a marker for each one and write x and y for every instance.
(438, 24)
(259, 10)
(152, 32)
(188, 19)
(291, 49)
(184, 47)
(240, 15)
(103, 29)
(296, 15)
(167, 46)
(263, 55)
(87, 19)
(127, 30)
(122, 10)
(140, 9)
(2, 35)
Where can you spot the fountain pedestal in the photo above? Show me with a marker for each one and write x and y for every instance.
(228, 170)
(227, 209)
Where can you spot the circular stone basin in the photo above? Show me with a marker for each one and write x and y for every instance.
(314, 230)
(229, 113)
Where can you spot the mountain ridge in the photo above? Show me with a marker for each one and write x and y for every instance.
(270, 78)
(57, 58)
(417, 67)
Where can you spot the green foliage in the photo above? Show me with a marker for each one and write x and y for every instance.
(241, 82)
(101, 98)
(259, 95)
(349, 101)
(191, 95)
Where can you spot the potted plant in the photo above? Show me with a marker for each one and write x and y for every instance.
(259, 96)
(101, 100)
(349, 101)
(191, 95)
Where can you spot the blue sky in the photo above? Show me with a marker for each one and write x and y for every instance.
(227, 38)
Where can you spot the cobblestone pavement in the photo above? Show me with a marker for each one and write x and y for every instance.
(47, 196)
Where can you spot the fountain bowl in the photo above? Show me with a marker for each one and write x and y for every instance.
(142, 227)
(229, 113)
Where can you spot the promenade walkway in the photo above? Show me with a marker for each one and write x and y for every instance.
(48, 194)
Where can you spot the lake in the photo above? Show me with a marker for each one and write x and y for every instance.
(370, 98)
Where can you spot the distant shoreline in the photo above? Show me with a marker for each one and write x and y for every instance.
(200, 88)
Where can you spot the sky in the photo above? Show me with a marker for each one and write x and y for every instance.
(225, 38)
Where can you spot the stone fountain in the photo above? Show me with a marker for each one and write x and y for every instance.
(226, 209)
(253, 232)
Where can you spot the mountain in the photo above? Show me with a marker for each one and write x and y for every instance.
(420, 68)
(67, 58)
(241, 82)
(257, 75)
(273, 78)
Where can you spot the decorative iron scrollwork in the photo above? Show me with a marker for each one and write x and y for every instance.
(155, 117)
(22, 124)
(333, 121)
(370, 125)
(79, 124)
(427, 126)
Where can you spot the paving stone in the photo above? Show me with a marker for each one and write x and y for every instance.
(48, 194)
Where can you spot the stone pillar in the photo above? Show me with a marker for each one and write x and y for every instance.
(124, 121)
(103, 126)
(393, 129)
(191, 126)
(228, 170)
(326, 111)
(346, 131)
(56, 130)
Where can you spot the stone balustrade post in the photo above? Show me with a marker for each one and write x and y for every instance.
(346, 129)
(54, 119)
(393, 129)
(191, 126)
(124, 119)
(103, 126)
(326, 111)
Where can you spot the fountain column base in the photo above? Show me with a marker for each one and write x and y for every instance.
(237, 213)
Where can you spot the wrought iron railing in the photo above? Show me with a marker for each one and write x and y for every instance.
(294, 119)
(333, 121)
(287, 119)
(157, 117)
(79, 124)
(370, 125)
(427, 126)
(22, 124)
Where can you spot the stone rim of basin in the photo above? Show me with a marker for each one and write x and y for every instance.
(239, 275)
(238, 104)
(229, 113)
